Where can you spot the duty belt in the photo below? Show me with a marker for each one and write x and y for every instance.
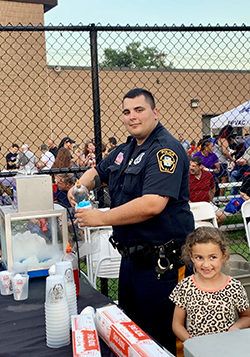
(163, 257)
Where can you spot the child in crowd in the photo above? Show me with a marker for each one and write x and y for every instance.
(208, 300)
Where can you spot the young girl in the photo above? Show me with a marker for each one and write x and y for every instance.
(208, 299)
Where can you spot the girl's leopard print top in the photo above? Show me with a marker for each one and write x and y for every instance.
(209, 311)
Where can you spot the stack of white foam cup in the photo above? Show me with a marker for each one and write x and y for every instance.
(56, 313)
(65, 268)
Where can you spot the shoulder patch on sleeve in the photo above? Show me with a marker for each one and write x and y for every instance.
(167, 160)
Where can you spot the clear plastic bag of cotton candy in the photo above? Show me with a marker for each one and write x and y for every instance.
(81, 196)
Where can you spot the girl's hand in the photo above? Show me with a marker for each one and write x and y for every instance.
(243, 322)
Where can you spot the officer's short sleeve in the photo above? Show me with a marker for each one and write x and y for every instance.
(164, 171)
(102, 170)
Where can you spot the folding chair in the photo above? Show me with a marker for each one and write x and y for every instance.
(102, 259)
(107, 261)
(203, 214)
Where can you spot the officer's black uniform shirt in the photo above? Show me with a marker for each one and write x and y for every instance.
(159, 166)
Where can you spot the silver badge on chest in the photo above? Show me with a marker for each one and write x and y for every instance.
(138, 159)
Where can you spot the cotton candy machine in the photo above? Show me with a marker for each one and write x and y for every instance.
(34, 232)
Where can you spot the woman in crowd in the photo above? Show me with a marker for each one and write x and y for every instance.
(209, 158)
(221, 149)
(66, 143)
(63, 159)
(89, 154)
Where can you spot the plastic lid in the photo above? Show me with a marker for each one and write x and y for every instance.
(83, 204)
(78, 183)
(68, 249)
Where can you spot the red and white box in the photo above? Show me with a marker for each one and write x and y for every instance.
(123, 336)
(84, 336)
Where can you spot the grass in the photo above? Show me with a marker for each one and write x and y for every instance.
(238, 244)
(112, 283)
(233, 220)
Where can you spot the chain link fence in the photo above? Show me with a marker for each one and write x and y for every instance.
(68, 81)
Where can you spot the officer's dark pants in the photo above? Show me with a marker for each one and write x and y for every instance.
(145, 300)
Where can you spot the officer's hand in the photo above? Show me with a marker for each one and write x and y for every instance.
(71, 198)
(89, 217)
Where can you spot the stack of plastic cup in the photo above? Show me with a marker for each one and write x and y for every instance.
(65, 268)
(6, 282)
(56, 313)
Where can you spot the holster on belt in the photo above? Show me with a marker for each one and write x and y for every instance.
(120, 247)
(163, 257)
(169, 257)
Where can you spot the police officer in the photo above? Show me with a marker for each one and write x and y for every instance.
(148, 184)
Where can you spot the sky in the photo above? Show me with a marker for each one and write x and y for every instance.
(142, 12)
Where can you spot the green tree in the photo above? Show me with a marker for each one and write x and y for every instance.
(135, 57)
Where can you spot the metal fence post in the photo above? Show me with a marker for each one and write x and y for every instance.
(97, 121)
(96, 103)
(95, 92)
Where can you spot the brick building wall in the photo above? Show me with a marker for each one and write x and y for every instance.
(12, 12)
(24, 111)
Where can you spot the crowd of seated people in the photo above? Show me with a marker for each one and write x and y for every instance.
(68, 154)
(226, 157)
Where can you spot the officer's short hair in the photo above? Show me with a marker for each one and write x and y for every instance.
(196, 159)
(137, 92)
